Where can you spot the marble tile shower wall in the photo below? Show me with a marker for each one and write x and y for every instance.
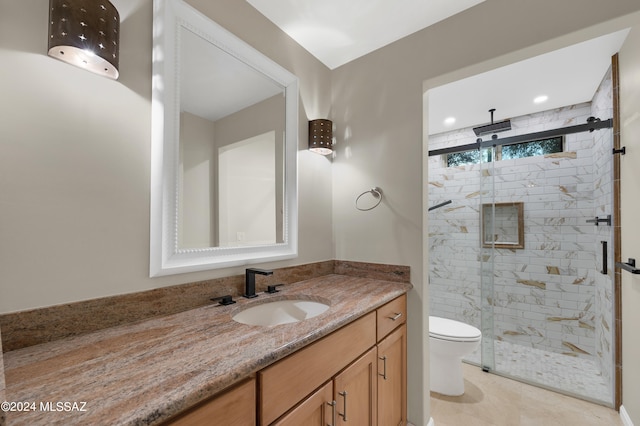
(544, 295)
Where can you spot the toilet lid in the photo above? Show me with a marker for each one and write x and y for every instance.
(445, 328)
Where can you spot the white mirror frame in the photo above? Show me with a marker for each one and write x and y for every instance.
(165, 256)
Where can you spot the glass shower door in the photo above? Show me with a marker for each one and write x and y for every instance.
(546, 312)
(486, 256)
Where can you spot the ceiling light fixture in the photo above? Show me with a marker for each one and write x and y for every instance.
(85, 33)
(449, 121)
(321, 136)
(540, 99)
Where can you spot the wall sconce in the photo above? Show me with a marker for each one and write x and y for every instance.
(321, 136)
(85, 33)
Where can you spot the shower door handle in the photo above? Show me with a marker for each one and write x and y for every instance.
(604, 258)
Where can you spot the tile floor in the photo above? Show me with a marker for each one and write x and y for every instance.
(492, 400)
(578, 376)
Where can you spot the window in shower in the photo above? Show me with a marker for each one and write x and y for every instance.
(468, 157)
(507, 152)
(529, 149)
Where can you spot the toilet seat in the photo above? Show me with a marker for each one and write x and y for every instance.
(455, 331)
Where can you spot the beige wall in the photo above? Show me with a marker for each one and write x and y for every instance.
(197, 199)
(377, 111)
(75, 148)
(2, 384)
(75, 158)
(629, 59)
(257, 119)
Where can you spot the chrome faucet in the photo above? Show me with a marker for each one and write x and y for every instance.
(250, 281)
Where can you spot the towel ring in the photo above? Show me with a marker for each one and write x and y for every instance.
(376, 192)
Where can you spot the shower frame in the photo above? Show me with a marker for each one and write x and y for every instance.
(487, 193)
(591, 125)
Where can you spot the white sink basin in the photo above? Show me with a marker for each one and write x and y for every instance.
(280, 312)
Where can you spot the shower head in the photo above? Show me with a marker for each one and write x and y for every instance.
(492, 127)
(501, 126)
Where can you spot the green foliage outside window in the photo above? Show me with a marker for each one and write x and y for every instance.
(468, 157)
(507, 152)
(529, 149)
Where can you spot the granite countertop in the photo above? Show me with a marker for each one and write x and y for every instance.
(146, 372)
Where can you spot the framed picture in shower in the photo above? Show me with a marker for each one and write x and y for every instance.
(502, 225)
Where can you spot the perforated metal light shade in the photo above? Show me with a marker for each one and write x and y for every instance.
(85, 33)
(321, 136)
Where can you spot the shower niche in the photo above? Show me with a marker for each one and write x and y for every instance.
(502, 225)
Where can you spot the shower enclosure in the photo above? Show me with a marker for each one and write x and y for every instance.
(524, 249)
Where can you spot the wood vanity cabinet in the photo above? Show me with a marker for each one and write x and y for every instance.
(392, 381)
(360, 369)
(355, 392)
(355, 376)
(349, 399)
(392, 359)
(316, 410)
(284, 384)
(390, 316)
(233, 407)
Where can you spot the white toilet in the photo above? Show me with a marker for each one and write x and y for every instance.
(449, 341)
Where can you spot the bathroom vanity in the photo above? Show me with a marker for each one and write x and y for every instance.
(355, 374)
(194, 365)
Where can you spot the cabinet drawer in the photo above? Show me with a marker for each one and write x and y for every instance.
(235, 407)
(285, 383)
(315, 410)
(391, 316)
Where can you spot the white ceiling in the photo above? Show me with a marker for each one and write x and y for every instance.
(214, 84)
(339, 31)
(567, 76)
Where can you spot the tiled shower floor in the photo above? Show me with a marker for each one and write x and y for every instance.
(577, 376)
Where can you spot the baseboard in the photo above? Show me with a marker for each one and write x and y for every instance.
(626, 420)
(431, 423)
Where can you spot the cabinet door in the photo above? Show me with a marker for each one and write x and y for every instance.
(235, 407)
(355, 392)
(283, 384)
(392, 378)
(317, 410)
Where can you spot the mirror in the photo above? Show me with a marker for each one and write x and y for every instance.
(503, 225)
(224, 148)
(232, 125)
